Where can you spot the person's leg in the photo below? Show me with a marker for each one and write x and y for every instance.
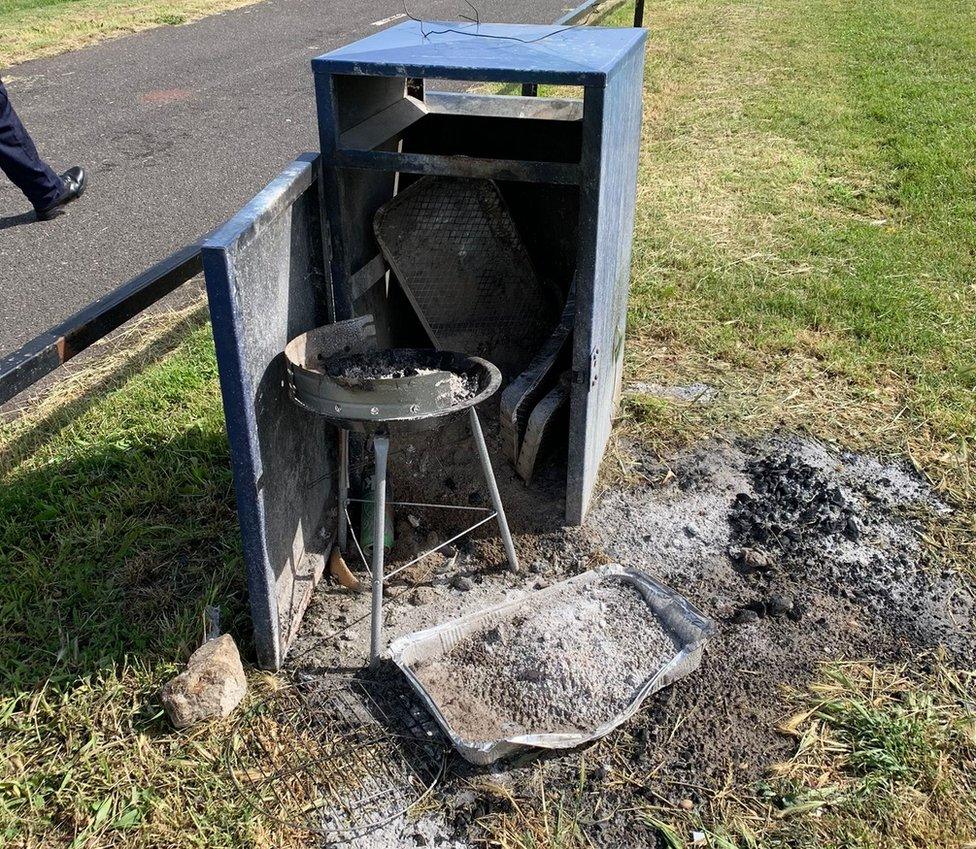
(20, 162)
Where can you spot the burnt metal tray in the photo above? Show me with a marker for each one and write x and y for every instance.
(454, 248)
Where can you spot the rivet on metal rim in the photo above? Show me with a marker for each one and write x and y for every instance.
(415, 408)
(338, 408)
(375, 410)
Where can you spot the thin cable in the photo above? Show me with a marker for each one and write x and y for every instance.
(426, 33)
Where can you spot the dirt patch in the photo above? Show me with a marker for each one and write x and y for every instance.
(568, 665)
(800, 553)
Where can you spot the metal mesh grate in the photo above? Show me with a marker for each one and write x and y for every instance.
(335, 756)
(454, 247)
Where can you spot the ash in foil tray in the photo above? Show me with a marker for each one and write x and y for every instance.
(556, 668)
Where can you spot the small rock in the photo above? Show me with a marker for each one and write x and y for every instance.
(413, 520)
(212, 685)
(537, 567)
(778, 604)
(423, 595)
(853, 528)
(756, 558)
(449, 551)
(462, 582)
(686, 804)
(745, 616)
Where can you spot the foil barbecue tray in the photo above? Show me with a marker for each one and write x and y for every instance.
(687, 626)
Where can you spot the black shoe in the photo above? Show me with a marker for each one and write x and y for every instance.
(74, 187)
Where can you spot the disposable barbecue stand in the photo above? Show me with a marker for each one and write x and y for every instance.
(329, 374)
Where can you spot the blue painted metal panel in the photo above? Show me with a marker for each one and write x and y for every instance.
(460, 50)
(266, 284)
(611, 144)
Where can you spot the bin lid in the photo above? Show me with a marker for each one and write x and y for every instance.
(462, 50)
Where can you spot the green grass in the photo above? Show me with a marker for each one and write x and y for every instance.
(807, 216)
(884, 758)
(116, 529)
(35, 28)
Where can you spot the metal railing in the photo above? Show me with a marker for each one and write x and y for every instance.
(53, 348)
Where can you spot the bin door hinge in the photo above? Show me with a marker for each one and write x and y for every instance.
(590, 374)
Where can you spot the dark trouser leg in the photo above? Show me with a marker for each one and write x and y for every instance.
(20, 162)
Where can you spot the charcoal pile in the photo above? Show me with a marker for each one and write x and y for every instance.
(792, 508)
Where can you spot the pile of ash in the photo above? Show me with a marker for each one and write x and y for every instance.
(568, 665)
(396, 364)
(801, 553)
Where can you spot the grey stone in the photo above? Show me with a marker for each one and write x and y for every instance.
(745, 616)
(462, 582)
(423, 595)
(212, 685)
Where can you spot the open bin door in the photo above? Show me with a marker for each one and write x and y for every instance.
(611, 140)
(266, 284)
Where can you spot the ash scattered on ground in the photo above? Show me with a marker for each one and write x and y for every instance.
(568, 664)
(851, 580)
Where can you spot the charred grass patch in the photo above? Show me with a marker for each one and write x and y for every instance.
(884, 758)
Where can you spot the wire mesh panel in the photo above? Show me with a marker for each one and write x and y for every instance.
(334, 756)
(454, 248)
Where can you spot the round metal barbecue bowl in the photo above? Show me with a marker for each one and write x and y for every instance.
(398, 389)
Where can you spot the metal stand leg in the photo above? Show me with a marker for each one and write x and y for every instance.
(496, 500)
(343, 487)
(381, 449)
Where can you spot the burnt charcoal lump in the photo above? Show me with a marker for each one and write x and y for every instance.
(792, 504)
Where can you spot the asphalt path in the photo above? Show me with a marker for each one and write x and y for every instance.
(177, 127)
